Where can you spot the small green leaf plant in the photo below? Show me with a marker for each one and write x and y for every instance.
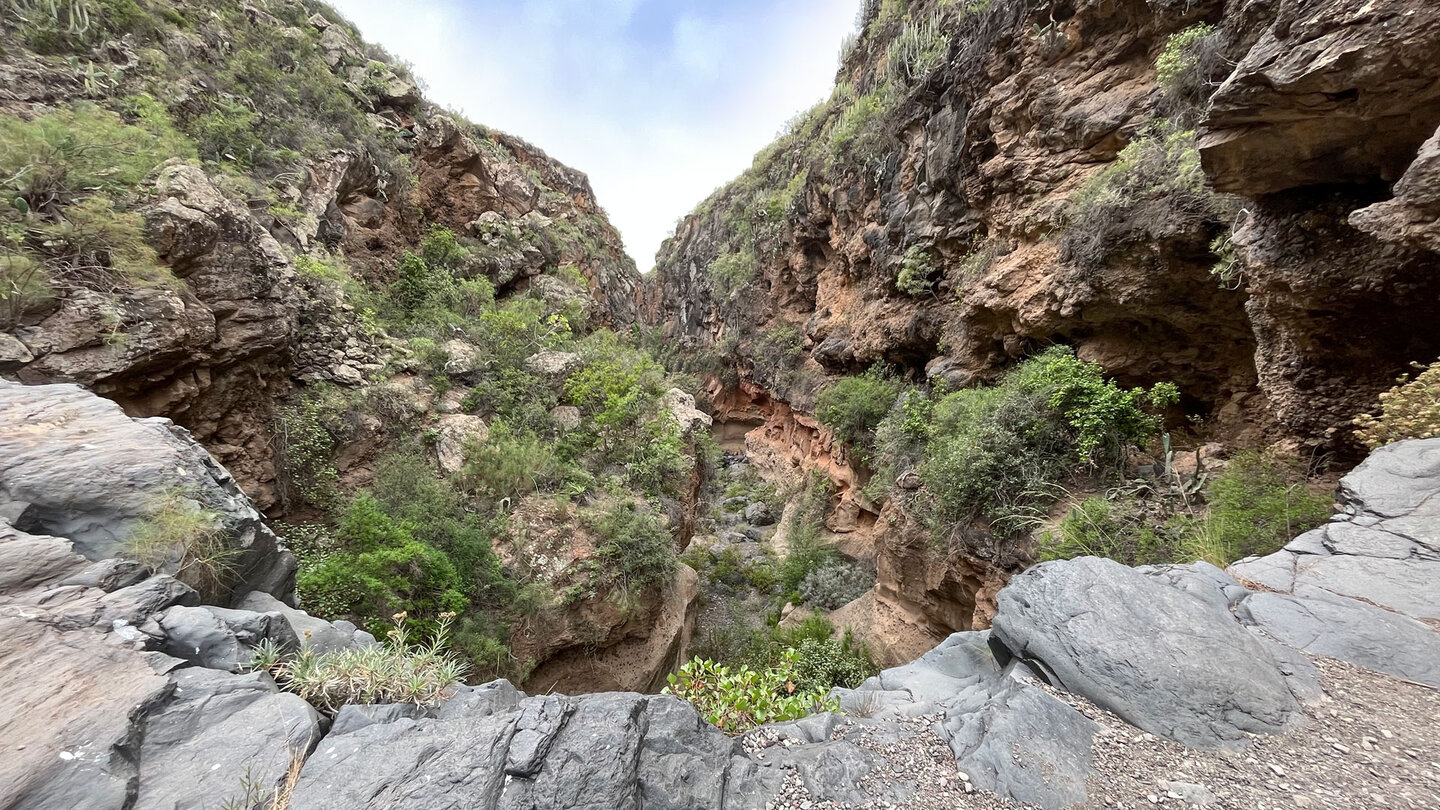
(736, 700)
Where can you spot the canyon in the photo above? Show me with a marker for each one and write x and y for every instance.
(368, 359)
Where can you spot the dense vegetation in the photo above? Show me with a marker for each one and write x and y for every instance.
(422, 542)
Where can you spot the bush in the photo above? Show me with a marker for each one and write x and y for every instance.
(304, 446)
(634, 551)
(380, 569)
(1255, 507)
(860, 138)
(407, 489)
(824, 664)
(915, 272)
(1410, 410)
(81, 150)
(854, 406)
(835, 584)
(181, 537)
(778, 349)
(915, 53)
(1117, 528)
(732, 272)
(1156, 182)
(737, 700)
(998, 453)
(397, 671)
(508, 463)
(1186, 67)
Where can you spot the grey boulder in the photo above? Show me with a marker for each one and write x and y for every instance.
(62, 450)
(1168, 661)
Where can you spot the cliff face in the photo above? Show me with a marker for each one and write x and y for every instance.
(242, 217)
(947, 221)
(313, 143)
(1198, 192)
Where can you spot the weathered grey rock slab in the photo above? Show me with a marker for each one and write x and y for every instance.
(1383, 548)
(216, 732)
(1172, 663)
(1335, 627)
(74, 465)
(1024, 744)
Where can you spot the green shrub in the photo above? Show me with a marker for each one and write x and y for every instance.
(778, 349)
(915, 272)
(80, 150)
(1155, 183)
(860, 138)
(508, 463)
(379, 569)
(1117, 528)
(854, 406)
(1185, 68)
(916, 52)
(407, 488)
(732, 272)
(1409, 410)
(998, 453)
(823, 664)
(397, 671)
(1255, 507)
(304, 446)
(634, 550)
(835, 584)
(181, 537)
(737, 700)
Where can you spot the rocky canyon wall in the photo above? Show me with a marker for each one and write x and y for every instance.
(1226, 195)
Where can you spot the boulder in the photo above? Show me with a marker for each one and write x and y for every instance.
(1007, 733)
(60, 449)
(681, 407)
(222, 639)
(759, 514)
(1172, 663)
(218, 733)
(454, 431)
(310, 631)
(66, 702)
(1411, 217)
(462, 358)
(567, 417)
(553, 366)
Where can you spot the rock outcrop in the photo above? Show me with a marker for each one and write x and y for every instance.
(74, 465)
(121, 688)
(947, 225)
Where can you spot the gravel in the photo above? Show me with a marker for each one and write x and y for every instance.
(1372, 741)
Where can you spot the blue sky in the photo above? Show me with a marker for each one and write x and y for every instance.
(659, 101)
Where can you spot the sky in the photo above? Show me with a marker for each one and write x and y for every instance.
(660, 102)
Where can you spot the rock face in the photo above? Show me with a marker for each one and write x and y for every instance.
(74, 465)
(1325, 97)
(937, 224)
(1318, 105)
(215, 351)
(1104, 631)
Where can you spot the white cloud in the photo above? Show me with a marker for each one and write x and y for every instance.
(659, 105)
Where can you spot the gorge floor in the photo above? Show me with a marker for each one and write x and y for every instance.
(1368, 742)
